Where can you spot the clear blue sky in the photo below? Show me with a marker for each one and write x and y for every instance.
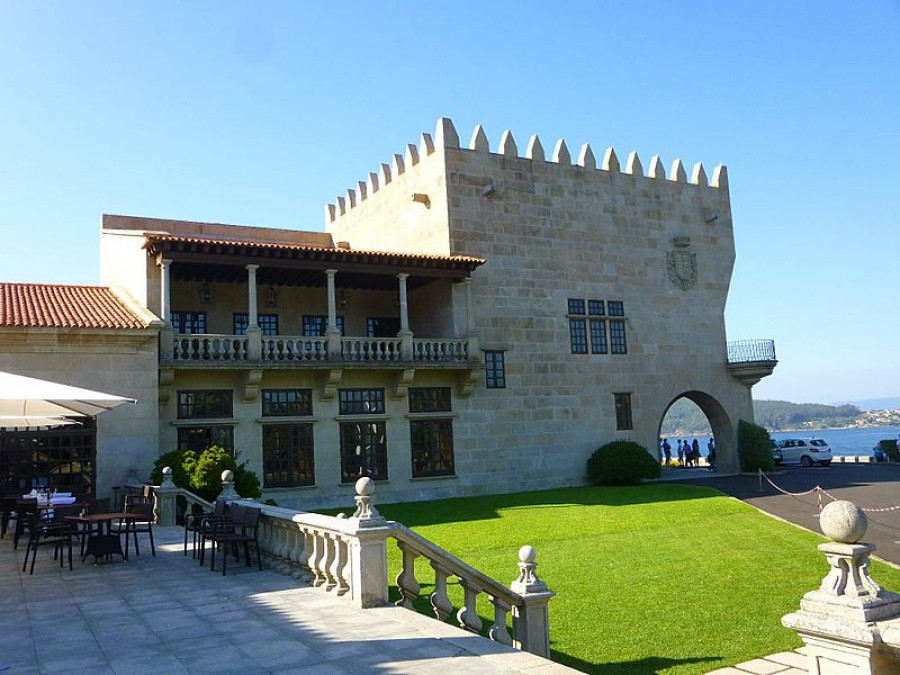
(259, 113)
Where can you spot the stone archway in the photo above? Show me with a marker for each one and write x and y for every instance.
(722, 428)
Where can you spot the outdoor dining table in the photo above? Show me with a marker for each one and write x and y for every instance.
(102, 543)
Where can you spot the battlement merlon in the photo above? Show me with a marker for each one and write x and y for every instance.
(447, 138)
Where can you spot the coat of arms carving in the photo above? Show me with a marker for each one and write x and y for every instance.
(682, 267)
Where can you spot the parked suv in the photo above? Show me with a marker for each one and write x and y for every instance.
(807, 451)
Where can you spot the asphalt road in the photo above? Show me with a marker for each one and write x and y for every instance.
(866, 485)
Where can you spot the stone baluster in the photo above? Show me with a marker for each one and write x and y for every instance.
(440, 601)
(531, 618)
(347, 569)
(315, 556)
(406, 579)
(850, 623)
(339, 564)
(498, 631)
(329, 545)
(468, 615)
(166, 499)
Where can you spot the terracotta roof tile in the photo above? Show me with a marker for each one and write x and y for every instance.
(55, 306)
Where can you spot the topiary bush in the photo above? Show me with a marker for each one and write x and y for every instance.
(202, 473)
(754, 447)
(621, 462)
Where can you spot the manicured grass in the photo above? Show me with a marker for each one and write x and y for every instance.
(650, 579)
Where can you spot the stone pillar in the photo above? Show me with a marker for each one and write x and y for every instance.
(851, 625)
(254, 334)
(406, 335)
(166, 335)
(332, 333)
(166, 495)
(531, 619)
(368, 550)
(474, 347)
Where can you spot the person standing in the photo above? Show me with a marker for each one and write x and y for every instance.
(680, 453)
(667, 451)
(711, 453)
(695, 451)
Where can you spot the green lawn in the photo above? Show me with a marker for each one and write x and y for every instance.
(650, 579)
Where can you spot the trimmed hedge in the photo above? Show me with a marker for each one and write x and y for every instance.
(621, 462)
(754, 447)
(889, 447)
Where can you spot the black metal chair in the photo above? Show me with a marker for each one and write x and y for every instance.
(40, 533)
(24, 507)
(193, 523)
(143, 522)
(8, 506)
(242, 528)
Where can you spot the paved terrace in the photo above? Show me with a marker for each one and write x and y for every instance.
(168, 615)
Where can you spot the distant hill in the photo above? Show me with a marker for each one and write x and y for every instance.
(890, 403)
(685, 418)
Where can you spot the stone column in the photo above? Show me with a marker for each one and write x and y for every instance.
(851, 625)
(368, 550)
(254, 334)
(531, 619)
(166, 495)
(406, 335)
(166, 335)
(474, 347)
(332, 333)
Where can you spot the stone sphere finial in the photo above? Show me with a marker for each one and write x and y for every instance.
(228, 475)
(167, 471)
(365, 486)
(527, 554)
(843, 522)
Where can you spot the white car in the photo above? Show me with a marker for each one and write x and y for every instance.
(806, 451)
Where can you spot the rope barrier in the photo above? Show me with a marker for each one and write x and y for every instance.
(819, 490)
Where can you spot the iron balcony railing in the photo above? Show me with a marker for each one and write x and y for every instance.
(751, 351)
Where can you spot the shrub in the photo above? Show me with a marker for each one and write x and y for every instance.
(621, 462)
(202, 474)
(754, 447)
(889, 447)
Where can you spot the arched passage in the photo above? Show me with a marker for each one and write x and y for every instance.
(722, 428)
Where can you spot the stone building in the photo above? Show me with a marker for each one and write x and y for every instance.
(470, 322)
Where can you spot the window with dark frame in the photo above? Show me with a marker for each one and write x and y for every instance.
(578, 336)
(286, 402)
(363, 451)
(598, 336)
(199, 439)
(596, 308)
(315, 325)
(617, 342)
(268, 323)
(361, 401)
(188, 323)
(616, 307)
(431, 440)
(382, 326)
(288, 455)
(576, 306)
(623, 412)
(205, 403)
(429, 399)
(495, 369)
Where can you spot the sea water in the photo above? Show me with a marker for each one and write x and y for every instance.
(845, 441)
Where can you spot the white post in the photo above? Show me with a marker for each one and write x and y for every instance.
(368, 550)
(470, 321)
(165, 292)
(166, 495)
(531, 620)
(406, 335)
(254, 334)
(332, 333)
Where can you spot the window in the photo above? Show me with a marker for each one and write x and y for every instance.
(199, 439)
(188, 323)
(382, 326)
(616, 308)
(363, 451)
(284, 402)
(578, 336)
(580, 328)
(623, 412)
(314, 325)
(429, 399)
(63, 458)
(617, 337)
(495, 369)
(595, 308)
(431, 440)
(598, 336)
(361, 401)
(288, 457)
(268, 323)
(576, 306)
(204, 403)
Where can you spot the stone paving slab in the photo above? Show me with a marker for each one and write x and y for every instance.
(166, 614)
(782, 663)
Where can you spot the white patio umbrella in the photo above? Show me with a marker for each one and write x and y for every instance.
(34, 422)
(30, 397)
